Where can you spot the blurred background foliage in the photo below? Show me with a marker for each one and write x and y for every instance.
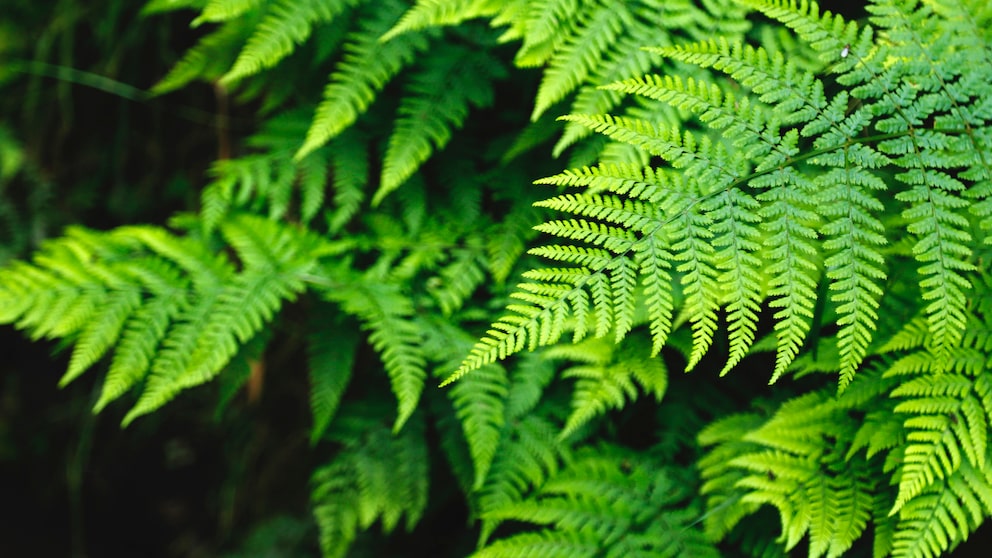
(81, 142)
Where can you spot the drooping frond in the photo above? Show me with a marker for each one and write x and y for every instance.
(385, 312)
(786, 188)
(794, 461)
(529, 453)
(210, 58)
(438, 13)
(377, 475)
(607, 377)
(330, 360)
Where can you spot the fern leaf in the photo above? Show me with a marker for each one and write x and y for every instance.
(377, 476)
(584, 50)
(367, 65)
(437, 13)
(479, 406)
(331, 356)
(210, 58)
(216, 11)
(543, 544)
(437, 100)
(855, 269)
(100, 335)
(397, 339)
(285, 24)
(529, 453)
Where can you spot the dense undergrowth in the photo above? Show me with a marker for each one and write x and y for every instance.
(551, 209)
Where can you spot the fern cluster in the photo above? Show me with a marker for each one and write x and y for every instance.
(794, 194)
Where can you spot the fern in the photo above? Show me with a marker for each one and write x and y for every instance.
(376, 476)
(284, 24)
(717, 236)
(367, 65)
(173, 312)
(437, 100)
(602, 506)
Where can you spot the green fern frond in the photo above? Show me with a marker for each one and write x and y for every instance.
(378, 475)
(607, 502)
(385, 313)
(216, 11)
(543, 544)
(270, 175)
(479, 405)
(276, 260)
(573, 62)
(161, 6)
(949, 417)
(286, 23)
(540, 24)
(211, 56)
(944, 515)
(330, 360)
(440, 92)
(607, 378)
(439, 13)
(173, 311)
(365, 68)
(529, 453)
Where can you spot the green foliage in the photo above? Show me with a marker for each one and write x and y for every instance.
(749, 198)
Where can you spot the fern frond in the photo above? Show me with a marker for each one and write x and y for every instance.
(385, 312)
(438, 13)
(276, 259)
(616, 504)
(286, 23)
(529, 453)
(949, 419)
(378, 475)
(944, 515)
(441, 91)
(479, 403)
(211, 56)
(173, 311)
(367, 65)
(573, 62)
(330, 359)
(216, 11)
(605, 379)
(543, 544)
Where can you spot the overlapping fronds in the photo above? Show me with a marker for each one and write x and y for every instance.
(607, 502)
(785, 187)
(269, 179)
(171, 311)
(376, 476)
